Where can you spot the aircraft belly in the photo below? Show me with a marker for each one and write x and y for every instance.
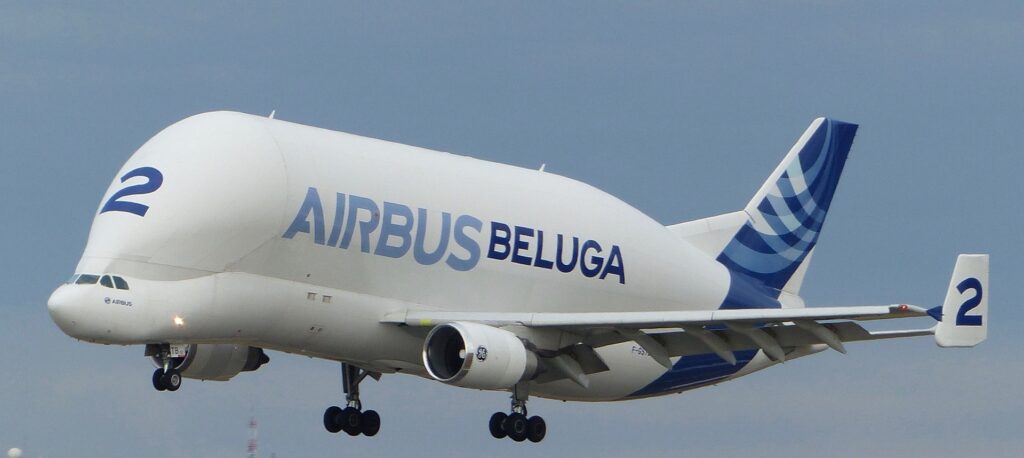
(628, 372)
(306, 319)
(632, 374)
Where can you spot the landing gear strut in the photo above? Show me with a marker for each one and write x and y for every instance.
(166, 377)
(352, 419)
(517, 425)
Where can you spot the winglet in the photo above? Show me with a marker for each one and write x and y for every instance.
(964, 319)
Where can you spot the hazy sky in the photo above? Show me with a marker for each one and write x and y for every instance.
(679, 108)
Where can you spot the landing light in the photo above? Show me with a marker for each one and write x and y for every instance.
(179, 321)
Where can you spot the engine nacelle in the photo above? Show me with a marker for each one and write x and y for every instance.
(474, 355)
(217, 361)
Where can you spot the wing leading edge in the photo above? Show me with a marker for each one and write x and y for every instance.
(657, 320)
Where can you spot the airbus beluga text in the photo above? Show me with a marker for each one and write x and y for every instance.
(227, 234)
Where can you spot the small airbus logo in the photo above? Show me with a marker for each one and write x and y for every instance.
(481, 353)
(107, 300)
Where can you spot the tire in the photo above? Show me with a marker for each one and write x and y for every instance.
(349, 420)
(171, 380)
(331, 419)
(497, 425)
(158, 380)
(536, 429)
(370, 423)
(515, 427)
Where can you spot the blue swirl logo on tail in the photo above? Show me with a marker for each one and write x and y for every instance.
(783, 222)
(786, 215)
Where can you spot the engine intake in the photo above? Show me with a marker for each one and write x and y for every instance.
(474, 355)
(218, 362)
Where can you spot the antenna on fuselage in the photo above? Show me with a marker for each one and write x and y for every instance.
(541, 169)
(272, 114)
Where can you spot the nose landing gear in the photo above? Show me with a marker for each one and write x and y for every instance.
(165, 377)
(517, 425)
(352, 419)
(166, 380)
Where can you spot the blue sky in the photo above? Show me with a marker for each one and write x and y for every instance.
(679, 108)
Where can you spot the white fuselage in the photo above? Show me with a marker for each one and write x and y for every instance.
(302, 240)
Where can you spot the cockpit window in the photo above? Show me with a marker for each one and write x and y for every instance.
(110, 281)
(120, 283)
(87, 279)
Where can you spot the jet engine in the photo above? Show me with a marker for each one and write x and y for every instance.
(474, 355)
(217, 361)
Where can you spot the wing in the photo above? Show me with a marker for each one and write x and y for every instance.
(962, 321)
(666, 334)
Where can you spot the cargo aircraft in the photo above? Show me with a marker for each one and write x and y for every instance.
(228, 234)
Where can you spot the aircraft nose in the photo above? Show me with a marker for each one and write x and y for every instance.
(62, 307)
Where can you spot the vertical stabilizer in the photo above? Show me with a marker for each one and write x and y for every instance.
(786, 215)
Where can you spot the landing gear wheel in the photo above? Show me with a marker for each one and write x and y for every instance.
(171, 380)
(536, 429)
(369, 423)
(350, 420)
(158, 380)
(330, 419)
(497, 425)
(515, 427)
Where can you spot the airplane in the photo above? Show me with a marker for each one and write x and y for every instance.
(228, 234)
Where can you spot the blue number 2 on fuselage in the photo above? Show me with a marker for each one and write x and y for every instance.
(153, 181)
(962, 319)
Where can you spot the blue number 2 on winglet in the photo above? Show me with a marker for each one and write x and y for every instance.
(962, 319)
(153, 181)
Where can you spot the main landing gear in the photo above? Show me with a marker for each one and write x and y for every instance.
(352, 419)
(516, 425)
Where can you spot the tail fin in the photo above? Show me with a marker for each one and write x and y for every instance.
(964, 318)
(784, 218)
